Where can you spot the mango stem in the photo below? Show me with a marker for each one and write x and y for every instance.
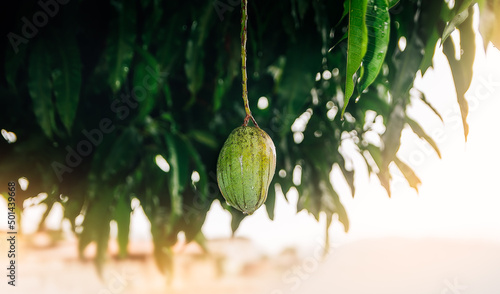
(244, 18)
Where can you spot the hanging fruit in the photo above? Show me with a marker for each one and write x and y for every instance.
(247, 161)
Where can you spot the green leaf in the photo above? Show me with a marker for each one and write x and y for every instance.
(455, 22)
(40, 87)
(344, 37)
(299, 9)
(429, 51)
(122, 218)
(66, 76)
(162, 252)
(205, 138)
(228, 66)
(299, 66)
(271, 201)
(309, 191)
(102, 240)
(236, 218)
(96, 226)
(123, 155)
(194, 67)
(168, 95)
(377, 24)
(356, 45)
(392, 3)
(411, 58)
(417, 129)
(146, 83)
(13, 63)
(122, 34)
(177, 157)
(408, 173)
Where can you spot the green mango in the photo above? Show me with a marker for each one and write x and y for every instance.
(246, 167)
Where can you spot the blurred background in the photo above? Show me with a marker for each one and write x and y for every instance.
(141, 211)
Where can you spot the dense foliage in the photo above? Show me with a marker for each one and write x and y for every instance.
(101, 93)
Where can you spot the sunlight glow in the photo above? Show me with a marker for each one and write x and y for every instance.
(263, 103)
(162, 163)
(195, 177)
(402, 43)
(10, 137)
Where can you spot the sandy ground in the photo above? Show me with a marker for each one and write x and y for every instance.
(385, 266)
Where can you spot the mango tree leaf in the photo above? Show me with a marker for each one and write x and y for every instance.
(348, 175)
(299, 9)
(422, 97)
(13, 63)
(411, 58)
(162, 252)
(66, 76)
(122, 217)
(392, 136)
(309, 191)
(152, 22)
(205, 138)
(489, 22)
(236, 218)
(454, 22)
(122, 34)
(123, 154)
(299, 66)
(408, 173)
(329, 201)
(344, 37)
(227, 70)
(357, 41)
(383, 174)
(417, 129)
(338, 206)
(462, 68)
(271, 201)
(146, 83)
(377, 24)
(344, 14)
(194, 67)
(177, 157)
(102, 240)
(392, 3)
(40, 87)
(96, 226)
(429, 51)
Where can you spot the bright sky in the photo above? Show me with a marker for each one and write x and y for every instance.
(459, 196)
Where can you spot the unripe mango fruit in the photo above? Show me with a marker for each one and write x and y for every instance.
(246, 167)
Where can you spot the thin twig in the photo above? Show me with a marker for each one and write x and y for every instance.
(244, 78)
